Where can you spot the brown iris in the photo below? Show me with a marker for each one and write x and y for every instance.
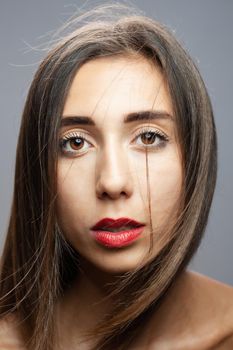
(149, 137)
(76, 143)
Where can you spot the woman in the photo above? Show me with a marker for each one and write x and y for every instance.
(115, 174)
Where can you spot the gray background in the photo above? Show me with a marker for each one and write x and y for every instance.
(204, 27)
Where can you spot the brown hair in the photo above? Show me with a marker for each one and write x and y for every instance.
(37, 263)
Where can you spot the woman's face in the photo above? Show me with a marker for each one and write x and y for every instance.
(102, 165)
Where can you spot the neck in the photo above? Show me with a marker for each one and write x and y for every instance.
(85, 302)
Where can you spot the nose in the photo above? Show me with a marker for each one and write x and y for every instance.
(114, 178)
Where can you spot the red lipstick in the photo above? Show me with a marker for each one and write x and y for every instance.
(116, 232)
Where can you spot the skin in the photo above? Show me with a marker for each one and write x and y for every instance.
(109, 180)
(106, 176)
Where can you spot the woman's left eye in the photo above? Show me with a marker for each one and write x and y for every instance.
(152, 138)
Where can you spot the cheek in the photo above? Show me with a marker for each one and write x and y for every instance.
(165, 184)
(75, 193)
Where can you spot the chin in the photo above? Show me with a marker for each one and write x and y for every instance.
(120, 261)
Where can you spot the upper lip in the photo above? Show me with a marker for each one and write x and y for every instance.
(116, 223)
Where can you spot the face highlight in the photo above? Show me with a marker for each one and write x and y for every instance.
(106, 144)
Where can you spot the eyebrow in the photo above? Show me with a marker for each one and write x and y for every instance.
(129, 118)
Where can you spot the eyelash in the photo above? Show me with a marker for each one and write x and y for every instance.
(163, 139)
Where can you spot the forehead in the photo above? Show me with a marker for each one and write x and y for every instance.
(116, 86)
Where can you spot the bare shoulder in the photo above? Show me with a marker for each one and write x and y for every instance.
(215, 296)
(10, 335)
(209, 308)
(208, 281)
(196, 314)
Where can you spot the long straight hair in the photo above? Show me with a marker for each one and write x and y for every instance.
(37, 263)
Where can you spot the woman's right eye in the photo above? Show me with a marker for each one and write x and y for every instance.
(73, 143)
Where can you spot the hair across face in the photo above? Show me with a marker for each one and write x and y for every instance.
(106, 69)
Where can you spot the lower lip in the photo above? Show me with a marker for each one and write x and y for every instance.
(117, 239)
